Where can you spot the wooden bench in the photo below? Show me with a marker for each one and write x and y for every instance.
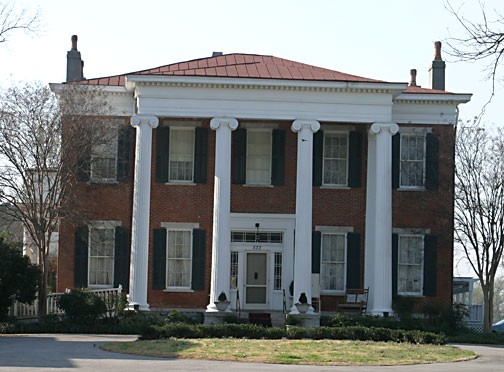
(355, 301)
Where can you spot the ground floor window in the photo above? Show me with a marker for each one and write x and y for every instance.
(178, 258)
(332, 262)
(101, 256)
(277, 275)
(410, 265)
(234, 270)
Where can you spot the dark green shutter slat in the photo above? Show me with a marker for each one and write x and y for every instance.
(125, 139)
(395, 262)
(318, 153)
(354, 159)
(84, 163)
(396, 160)
(353, 261)
(159, 259)
(121, 262)
(432, 162)
(81, 257)
(278, 157)
(162, 153)
(200, 155)
(239, 156)
(316, 246)
(198, 260)
(430, 265)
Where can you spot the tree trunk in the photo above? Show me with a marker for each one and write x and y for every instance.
(42, 289)
(487, 306)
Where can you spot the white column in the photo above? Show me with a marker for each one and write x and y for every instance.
(221, 237)
(303, 238)
(378, 248)
(139, 265)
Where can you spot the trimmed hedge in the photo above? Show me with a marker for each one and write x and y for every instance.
(179, 330)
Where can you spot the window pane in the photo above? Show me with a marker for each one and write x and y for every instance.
(258, 157)
(179, 258)
(412, 160)
(335, 158)
(410, 264)
(332, 267)
(181, 154)
(104, 155)
(101, 256)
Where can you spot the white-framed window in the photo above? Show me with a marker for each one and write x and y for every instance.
(181, 164)
(234, 270)
(104, 155)
(277, 274)
(333, 262)
(410, 262)
(412, 160)
(178, 258)
(335, 164)
(258, 171)
(101, 255)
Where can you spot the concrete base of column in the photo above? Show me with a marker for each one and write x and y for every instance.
(385, 312)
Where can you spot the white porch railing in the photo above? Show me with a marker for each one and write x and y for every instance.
(19, 310)
(475, 313)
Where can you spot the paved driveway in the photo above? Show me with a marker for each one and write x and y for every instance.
(81, 352)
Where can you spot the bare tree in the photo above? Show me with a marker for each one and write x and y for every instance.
(15, 19)
(479, 205)
(482, 40)
(498, 306)
(37, 163)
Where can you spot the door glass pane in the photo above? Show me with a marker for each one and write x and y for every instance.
(256, 295)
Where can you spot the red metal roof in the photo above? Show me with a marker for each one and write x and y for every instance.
(246, 66)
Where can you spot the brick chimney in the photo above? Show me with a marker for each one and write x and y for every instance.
(413, 73)
(437, 69)
(75, 65)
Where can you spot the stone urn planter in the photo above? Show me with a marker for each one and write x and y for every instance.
(222, 302)
(303, 306)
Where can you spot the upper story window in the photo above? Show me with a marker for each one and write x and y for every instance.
(258, 164)
(181, 153)
(181, 156)
(412, 161)
(258, 156)
(335, 159)
(104, 156)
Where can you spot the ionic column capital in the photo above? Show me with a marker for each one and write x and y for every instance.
(217, 123)
(301, 124)
(138, 120)
(377, 128)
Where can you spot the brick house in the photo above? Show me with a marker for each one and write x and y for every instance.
(257, 176)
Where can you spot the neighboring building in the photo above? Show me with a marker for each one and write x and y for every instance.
(10, 225)
(463, 288)
(248, 173)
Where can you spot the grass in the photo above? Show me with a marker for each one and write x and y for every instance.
(308, 352)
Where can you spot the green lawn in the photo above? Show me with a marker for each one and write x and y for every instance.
(322, 352)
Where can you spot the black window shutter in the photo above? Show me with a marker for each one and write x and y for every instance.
(278, 157)
(396, 160)
(318, 157)
(84, 163)
(354, 159)
(125, 138)
(353, 261)
(430, 265)
(200, 155)
(198, 260)
(239, 159)
(316, 246)
(121, 261)
(395, 262)
(159, 259)
(81, 257)
(432, 162)
(162, 153)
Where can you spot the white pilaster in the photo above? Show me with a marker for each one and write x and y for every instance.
(303, 238)
(221, 237)
(378, 245)
(141, 211)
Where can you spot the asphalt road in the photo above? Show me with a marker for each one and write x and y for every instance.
(61, 353)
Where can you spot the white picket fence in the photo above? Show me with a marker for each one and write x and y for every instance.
(19, 310)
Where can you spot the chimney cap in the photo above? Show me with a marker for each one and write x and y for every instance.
(216, 54)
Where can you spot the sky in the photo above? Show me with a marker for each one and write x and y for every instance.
(375, 39)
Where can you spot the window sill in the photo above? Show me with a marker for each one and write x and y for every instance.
(257, 185)
(419, 188)
(411, 295)
(332, 293)
(103, 182)
(186, 290)
(335, 187)
(180, 183)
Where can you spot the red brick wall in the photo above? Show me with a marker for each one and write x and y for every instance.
(331, 207)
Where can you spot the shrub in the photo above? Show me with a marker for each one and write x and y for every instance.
(82, 307)
(178, 317)
(296, 333)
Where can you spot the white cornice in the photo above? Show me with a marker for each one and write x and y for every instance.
(112, 90)
(430, 99)
(270, 84)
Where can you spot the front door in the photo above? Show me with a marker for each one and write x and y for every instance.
(256, 283)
